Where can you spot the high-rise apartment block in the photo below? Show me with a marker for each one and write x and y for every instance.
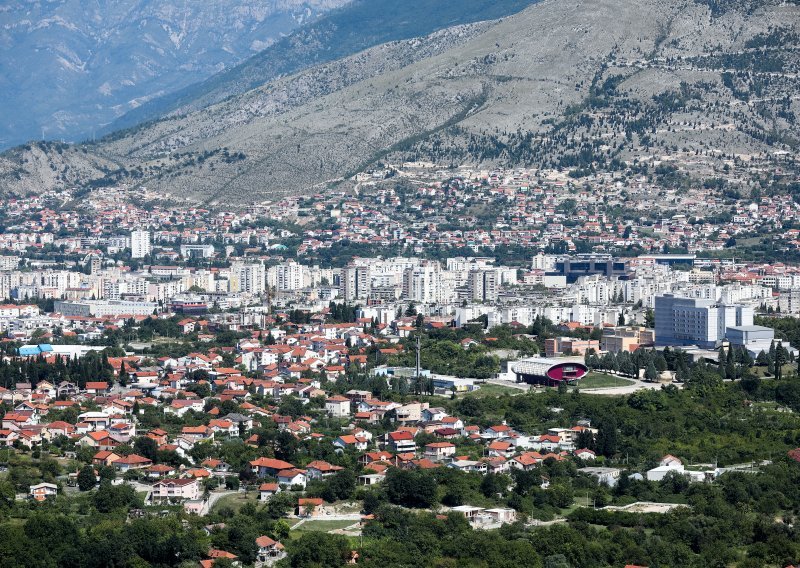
(140, 244)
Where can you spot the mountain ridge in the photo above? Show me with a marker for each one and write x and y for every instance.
(359, 25)
(69, 67)
(572, 85)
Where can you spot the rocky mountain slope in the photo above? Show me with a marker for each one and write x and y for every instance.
(69, 67)
(359, 25)
(566, 83)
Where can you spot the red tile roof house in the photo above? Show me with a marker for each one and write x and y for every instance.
(214, 553)
(179, 407)
(498, 431)
(526, 461)
(371, 457)
(350, 441)
(58, 428)
(401, 441)
(132, 462)
(7, 437)
(438, 451)
(292, 477)
(197, 433)
(268, 549)
(159, 471)
(97, 387)
(338, 406)
(105, 457)
(500, 449)
(264, 467)
(309, 507)
(267, 490)
(319, 469)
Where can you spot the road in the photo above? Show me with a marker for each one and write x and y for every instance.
(215, 496)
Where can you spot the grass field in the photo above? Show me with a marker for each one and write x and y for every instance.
(762, 371)
(324, 526)
(236, 501)
(489, 389)
(320, 526)
(600, 381)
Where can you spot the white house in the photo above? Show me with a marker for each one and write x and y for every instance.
(289, 477)
(338, 407)
(175, 489)
(437, 451)
(42, 491)
(267, 490)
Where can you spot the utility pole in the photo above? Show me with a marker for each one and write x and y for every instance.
(418, 386)
(418, 350)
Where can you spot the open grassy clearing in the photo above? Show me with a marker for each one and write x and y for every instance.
(490, 389)
(601, 380)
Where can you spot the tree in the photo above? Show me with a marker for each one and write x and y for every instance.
(280, 504)
(493, 485)
(107, 473)
(585, 440)
(456, 491)
(123, 375)
(286, 446)
(86, 478)
(340, 486)
(650, 373)
(561, 495)
(781, 358)
(556, 561)
(606, 443)
(650, 318)
(319, 549)
(110, 497)
(146, 447)
(411, 488)
(721, 366)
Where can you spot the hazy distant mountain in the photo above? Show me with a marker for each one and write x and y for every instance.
(358, 25)
(579, 85)
(68, 67)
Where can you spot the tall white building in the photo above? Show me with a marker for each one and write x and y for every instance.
(248, 278)
(355, 282)
(423, 283)
(288, 276)
(482, 285)
(140, 244)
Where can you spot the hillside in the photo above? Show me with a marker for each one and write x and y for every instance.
(358, 25)
(70, 67)
(577, 85)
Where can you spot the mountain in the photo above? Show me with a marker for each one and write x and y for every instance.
(682, 86)
(359, 25)
(70, 67)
